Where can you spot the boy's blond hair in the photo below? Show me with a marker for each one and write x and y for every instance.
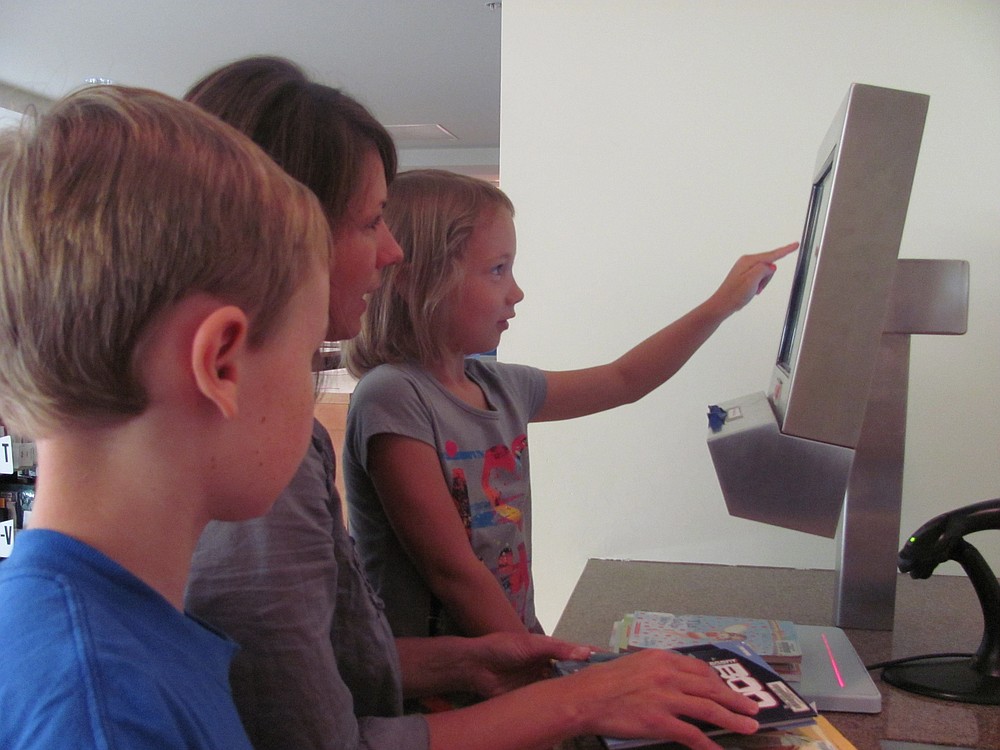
(115, 205)
(432, 214)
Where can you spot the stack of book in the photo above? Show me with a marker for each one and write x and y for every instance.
(776, 641)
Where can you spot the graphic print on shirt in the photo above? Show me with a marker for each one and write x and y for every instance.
(501, 468)
(514, 573)
(460, 495)
(491, 511)
(502, 482)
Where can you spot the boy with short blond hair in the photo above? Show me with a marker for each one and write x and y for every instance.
(163, 287)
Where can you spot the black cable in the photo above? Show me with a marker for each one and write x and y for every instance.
(923, 657)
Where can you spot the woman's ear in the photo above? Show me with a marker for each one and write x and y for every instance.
(217, 350)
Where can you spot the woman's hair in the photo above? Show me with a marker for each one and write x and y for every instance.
(318, 134)
(432, 214)
(115, 205)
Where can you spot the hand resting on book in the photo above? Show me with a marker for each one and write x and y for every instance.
(648, 694)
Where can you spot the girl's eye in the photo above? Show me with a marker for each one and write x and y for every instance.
(498, 270)
(374, 224)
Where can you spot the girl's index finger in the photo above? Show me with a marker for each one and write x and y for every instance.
(781, 252)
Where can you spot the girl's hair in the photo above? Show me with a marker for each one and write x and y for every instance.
(114, 205)
(431, 213)
(318, 134)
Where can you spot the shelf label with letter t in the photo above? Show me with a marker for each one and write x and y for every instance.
(6, 455)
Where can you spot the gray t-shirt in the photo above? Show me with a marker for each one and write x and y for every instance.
(483, 456)
(318, 667)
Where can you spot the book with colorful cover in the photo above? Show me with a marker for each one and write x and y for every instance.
(820, 735)
(777, 641)
(744, 671)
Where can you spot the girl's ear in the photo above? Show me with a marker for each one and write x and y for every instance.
(217, 350)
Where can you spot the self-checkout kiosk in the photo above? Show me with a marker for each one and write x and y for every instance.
(822, 450)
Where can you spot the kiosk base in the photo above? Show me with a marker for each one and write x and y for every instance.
(833, 676)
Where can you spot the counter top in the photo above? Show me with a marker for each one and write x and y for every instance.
(939, 614)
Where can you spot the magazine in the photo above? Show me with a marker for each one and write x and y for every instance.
(743, 670)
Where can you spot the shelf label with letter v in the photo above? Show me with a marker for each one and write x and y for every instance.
(6, 538)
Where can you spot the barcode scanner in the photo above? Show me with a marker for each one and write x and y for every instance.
(970, 680)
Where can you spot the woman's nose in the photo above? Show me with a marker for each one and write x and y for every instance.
(389, 251)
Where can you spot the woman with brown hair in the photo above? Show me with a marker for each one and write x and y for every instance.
(319, 667)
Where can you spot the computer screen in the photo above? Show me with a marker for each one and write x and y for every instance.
(790, 333)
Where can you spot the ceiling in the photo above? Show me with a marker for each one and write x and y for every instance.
(411, 62)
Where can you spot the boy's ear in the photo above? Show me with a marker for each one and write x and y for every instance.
(217, 350)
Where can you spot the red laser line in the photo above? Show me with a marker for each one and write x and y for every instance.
(833, 661)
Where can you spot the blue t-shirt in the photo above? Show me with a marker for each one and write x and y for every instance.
(95, 658)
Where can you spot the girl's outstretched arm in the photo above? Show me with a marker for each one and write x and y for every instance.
(407, 476)
(576, 393)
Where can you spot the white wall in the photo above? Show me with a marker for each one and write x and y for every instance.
(9, 117)
(646, 145)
